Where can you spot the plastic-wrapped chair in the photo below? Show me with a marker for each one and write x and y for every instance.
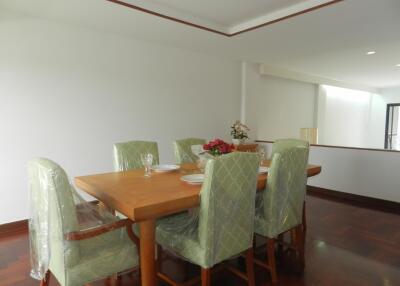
(183, 151)
(222, 226)
(74, 240)
(127, 154)
(279, 207)
(282, 144)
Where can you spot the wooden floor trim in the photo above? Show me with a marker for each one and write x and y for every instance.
(357, 200)
(15, 227)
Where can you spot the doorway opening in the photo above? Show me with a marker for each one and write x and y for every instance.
(392, 129)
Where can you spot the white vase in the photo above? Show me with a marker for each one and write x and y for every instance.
(237, 141)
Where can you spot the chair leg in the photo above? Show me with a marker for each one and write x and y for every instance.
(300, 245)
(159, 257)
(113, 280)
(304, 219)
(250, 267)
(271, 259)
(46, 280)
(205, 276)
(281, 239)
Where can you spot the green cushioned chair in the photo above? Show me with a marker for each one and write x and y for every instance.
(222, 227)
(74, 240)
(282, 144)
(127, 154)
(279, 208)
(183, 151)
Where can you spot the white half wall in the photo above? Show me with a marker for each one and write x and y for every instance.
(361, 172)
(350, 118)
(69, 93)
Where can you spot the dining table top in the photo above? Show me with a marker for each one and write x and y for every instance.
(140, 198)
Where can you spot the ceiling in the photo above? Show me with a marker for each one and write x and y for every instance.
(226, 17)
(329, 42)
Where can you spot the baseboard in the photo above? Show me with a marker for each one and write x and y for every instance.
(356, 200)
(15, 227)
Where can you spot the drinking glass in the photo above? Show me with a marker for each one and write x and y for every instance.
(261, 154)
(147, 161)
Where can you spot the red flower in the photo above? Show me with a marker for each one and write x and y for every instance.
(218, 147)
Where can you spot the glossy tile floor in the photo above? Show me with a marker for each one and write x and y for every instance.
(346, 245)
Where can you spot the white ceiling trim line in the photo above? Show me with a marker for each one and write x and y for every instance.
(314, 79)
(175, 13)
(280, 14)
(229, 31)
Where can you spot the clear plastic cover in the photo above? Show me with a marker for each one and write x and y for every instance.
(57, 209)
(280, 206)
(222, 226)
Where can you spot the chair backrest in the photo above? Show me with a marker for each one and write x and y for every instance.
(183, 151)
(284, 144)
(53, 214)
(127, 154)
(286, 186)
(226, 215)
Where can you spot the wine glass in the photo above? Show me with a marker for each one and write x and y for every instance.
(261, 154)
(147, 161)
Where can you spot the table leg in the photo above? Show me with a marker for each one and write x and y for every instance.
(147, 253)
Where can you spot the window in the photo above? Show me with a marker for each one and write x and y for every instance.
(392, 133)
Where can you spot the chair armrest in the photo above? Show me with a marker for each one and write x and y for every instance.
(96, 231)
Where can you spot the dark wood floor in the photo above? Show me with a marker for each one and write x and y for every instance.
(346, 245)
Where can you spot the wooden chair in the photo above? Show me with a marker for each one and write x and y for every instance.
(183, 151)
(74, 240)
(127, 154)
(279, 209)
(222, 226)
(286, 143)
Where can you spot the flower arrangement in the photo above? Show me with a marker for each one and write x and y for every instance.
(217, 147)
(239, 130)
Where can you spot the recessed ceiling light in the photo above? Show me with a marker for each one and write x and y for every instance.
(398, 65)
(371, 53)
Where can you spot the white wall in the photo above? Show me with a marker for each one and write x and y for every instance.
(350, 118)
(69, 93)
(361, 172)
(278, 107)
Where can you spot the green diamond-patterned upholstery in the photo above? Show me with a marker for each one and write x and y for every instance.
(56, 210)
(222, 226)
(279, 207)
(183, 151)
(127, 154)
(283, 144)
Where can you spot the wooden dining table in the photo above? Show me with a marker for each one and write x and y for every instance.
(143, 200)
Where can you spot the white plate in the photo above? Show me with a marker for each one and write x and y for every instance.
(194, 179)
(164, 168)
(263, 170)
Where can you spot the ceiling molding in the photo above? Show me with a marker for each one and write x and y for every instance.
(247, 26)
